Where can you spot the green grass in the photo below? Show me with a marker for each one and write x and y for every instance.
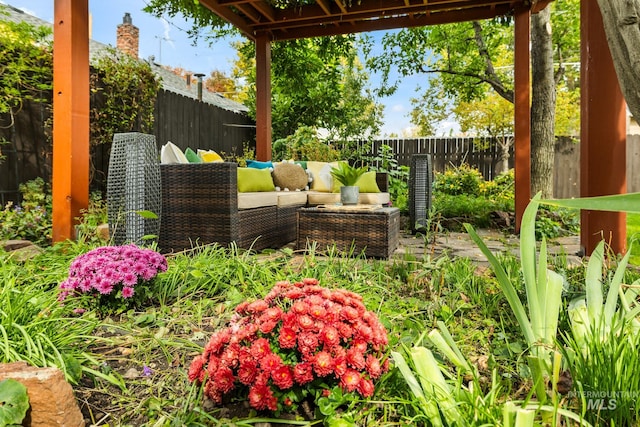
(633, 233)
(197, 295)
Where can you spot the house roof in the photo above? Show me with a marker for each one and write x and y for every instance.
(170, 81)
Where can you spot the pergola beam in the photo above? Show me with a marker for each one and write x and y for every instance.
(522, 112)
(603, 134)
(70, 115)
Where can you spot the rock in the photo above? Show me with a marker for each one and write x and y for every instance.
(50, 396)
(102, 231)
(12, 245)
(21, 250)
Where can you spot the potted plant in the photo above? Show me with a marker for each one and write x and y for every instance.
(348, 176)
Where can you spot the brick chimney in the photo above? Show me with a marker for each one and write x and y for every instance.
(127, 36)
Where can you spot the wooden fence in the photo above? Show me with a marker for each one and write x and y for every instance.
(190, 123)
(184, 121)
(446, 152)
(450, 152)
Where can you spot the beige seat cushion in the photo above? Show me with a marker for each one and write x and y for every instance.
(292, 198)
(257, 199)
(322, 198)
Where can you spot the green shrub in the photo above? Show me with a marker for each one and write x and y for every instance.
(458, 180)
(31, 219)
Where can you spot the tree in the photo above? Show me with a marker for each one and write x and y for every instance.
(621, 24)
(465, 59)
(491, 117)
(315, 82)
(219, 82)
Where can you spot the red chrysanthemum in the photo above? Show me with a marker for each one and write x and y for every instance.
(260, 348)
(330, 336)
(340, 365)
(299, 332)
(229, 356)
(365, 387)
(217, 341)
(303, 373)
(212, 393)
(268, 326)
(318, 311)
(223, 381)
(359, 345)
(350, 380)
(307, 343)
(373, 366)
(306, 322)
(349, 313)
(323, 364)
(282, 377)
(345, 330)
(294, 293)
(364, 331)
(299, 307)
(355, 359)
(196, 367)
(259, 395)
(287, 338)
(212, 365)
(248, 372)
(257, 306)
(272, 313)
(271, 362)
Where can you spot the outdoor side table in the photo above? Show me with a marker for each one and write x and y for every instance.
(133, 185)
(374, 230)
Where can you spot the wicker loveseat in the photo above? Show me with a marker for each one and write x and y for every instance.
(201, 205)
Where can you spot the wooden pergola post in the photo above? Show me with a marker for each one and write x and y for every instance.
(263, 97)
(70, 115)
(522, 112)
(602, 134)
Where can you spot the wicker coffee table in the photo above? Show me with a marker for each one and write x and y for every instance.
(372, 230)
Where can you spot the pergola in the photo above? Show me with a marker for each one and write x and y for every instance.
(603, 112)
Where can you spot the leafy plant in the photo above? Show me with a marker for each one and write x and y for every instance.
(346, 174)
(458, 180)
(385, 161)
(14, 402)
(544, 296)
(91, 218)
(109, 275)
(298, 343)
(304, 144)
(124, 91)
(30, 220)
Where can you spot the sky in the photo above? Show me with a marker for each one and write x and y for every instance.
(166, 39)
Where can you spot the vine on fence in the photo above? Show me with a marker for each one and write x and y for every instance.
(125, 91)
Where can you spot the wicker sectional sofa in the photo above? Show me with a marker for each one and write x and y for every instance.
(201, 205)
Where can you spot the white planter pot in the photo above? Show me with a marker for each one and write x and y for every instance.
(349, 195)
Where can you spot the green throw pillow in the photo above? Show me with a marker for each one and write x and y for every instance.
(192, 156)
(252, 179)
(366, 182)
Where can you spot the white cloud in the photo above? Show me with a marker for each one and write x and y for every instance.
(397, 108)
(167, 29)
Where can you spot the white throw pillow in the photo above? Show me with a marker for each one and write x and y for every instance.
(171, 153)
